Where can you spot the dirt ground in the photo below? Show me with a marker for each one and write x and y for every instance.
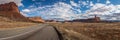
(88, 31)
(7, 23)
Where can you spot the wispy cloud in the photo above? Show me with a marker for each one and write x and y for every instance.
(105, 11)
(64, 11)
(73, 3)
(57, 11)
(26, 10)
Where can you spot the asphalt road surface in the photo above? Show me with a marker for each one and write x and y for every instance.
(47, 33)
(39, 32)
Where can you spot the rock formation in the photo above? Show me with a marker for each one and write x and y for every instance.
(11, 11)
(9, 7)
(36, 19)
(95, 19)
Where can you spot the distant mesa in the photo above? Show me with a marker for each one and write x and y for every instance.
(36, 19)
(50, 21)
(11, 11)
(95, 19)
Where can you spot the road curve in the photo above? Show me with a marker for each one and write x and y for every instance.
(40, 32)
(47, 33)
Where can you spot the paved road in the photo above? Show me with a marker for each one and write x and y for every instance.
(39, 32)
(47, 33)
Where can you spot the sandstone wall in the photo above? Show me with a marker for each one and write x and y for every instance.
(11, 11)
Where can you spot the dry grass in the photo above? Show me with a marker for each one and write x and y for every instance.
(7, 23)
(89, 31)
(15, 24)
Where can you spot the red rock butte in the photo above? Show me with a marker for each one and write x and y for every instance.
(11, 11)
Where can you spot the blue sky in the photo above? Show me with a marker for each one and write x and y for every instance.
(69, 9)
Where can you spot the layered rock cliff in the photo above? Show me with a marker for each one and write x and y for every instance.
(11, 11)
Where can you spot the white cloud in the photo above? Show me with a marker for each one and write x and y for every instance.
(117, 9)
(91, 4)
(84, 3)
(18, 2)
(97, 5)
(64, 11)
(73, 3)
(106, 12)
(60, 10)
(107, 2)
(26, 10)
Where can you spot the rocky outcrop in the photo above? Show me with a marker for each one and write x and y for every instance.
(11, 11)
(95, 19)
(9, 7)
(37, 19)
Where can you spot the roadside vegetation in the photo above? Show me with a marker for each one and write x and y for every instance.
(88, 31)
(7, 23)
